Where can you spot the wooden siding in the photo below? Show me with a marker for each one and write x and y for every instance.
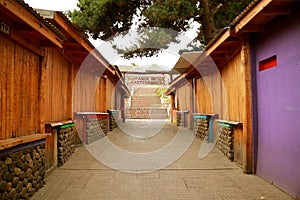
(19, 90)
(223, 92)
(110, 95)
(100, 98)
(202, 97)
(228, 93)
(184, 97)
(208, 94)
(233, 79)
(85, 91)
(57, 86)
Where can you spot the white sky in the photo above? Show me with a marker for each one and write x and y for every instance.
(167, 58)
(57, 5)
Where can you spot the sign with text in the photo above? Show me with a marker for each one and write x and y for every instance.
(4, 28)
(146, 80)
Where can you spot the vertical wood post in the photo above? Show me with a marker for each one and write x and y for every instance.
(247, 111)
(42, 79)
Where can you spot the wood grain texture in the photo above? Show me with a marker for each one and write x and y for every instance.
(19, 91)
(8, 143)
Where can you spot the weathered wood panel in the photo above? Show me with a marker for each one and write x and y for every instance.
(227, 92)
(202, 97)
(208, 94)
(110, 95)
(237, 93)
(100, 98)
(184, 97)
(57, 86)
(234, 93)
(84, 95)
(20, 71)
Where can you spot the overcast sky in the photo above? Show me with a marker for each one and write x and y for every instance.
(167, 58)
(58, 5)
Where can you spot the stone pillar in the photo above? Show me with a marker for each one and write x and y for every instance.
(225, 141)
(181, 118)
(201, 128)
(91, 126)
(113, 119)
(96, 128)
(65, 144)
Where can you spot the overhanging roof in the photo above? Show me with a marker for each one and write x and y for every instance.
(76, 44)
(29, 22)
(185, 61)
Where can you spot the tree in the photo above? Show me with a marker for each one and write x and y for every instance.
(105, 18)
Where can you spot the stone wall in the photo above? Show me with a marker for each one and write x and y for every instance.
(22, 172)
(225, 141)
(182, 118)
(113, 119)
(201, 128)
(96, 128)
(65, 144)
(145, 113)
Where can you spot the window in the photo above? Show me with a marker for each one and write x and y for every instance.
(267, 63)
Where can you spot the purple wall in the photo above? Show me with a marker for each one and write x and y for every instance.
(278, 97)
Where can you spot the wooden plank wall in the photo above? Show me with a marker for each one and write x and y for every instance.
(110, 95)
(57, 86)
(87, 89)
(202, 97)
(100, 98)
(230, 97)
(208, 94)
(184, 97)
(223, 91)
(19, 89)
(233, 79)
(92, 93)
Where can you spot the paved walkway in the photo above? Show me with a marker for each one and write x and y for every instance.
(136, 151)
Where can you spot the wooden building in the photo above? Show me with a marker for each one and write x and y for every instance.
(41, 58)
(246, 78)
(23, 38)
(92, 84)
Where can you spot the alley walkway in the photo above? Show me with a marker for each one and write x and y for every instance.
(213, 177)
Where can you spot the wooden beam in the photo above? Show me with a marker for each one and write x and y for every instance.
(223, 50)
(278, 10)
(73, 45)
(23, 27)
(78, 38)
(247, 109)
(253, 29)
(219, 41)
(232, 41)
(31, 20)
(9, 143)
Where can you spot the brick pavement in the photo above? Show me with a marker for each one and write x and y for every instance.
(213, 177)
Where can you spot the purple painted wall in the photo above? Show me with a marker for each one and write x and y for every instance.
(278, 97)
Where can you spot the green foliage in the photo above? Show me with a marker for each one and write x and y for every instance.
(229, 11)
(173, 14)
(106, 18)
(161, 92)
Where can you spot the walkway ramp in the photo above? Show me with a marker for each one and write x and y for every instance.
(188, 177)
